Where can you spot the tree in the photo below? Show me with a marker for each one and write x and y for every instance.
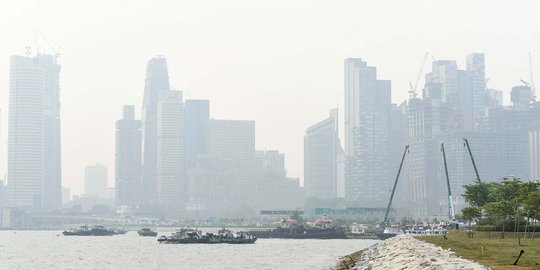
(471, 213)
(477, 194)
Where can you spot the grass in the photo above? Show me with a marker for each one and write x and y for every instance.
(490, 249)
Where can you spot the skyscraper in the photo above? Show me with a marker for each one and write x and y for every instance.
(477, 70)
(321, 146)
(155, 89)
(171, 180)
(128, 158)
(367, 143)
(196, 114)
(34, 157)
(234, 141)
(95, 180)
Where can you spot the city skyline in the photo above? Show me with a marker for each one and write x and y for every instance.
(234, 72)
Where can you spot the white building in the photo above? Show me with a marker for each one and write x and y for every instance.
(95, 180)
(171, 183)
(34, 174)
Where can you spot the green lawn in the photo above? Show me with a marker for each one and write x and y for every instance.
(490, 249)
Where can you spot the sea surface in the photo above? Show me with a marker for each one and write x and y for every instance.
(52, 250)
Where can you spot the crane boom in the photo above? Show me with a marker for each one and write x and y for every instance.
(472, 160)
(395, 185)
(451, 212)
(533, 88)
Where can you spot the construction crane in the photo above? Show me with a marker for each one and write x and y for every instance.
(533, 89)
(451, 212)
(385, 222)
(472, 160)
(412, 92)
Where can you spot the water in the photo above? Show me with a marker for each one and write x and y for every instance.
(52, 250)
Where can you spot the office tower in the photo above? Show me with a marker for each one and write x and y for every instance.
(66, 195)
(321, 146)
(477, 70)
(34, 157)
(274, 163)
(156, 87)
(197, 112)
(95, 180)
(521, 97)
(171, 183)
(367, 145)
(494, 98)
(234, 141)
(128, 158)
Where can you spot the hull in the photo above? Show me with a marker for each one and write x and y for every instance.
(294, 234)
(205, 241)
(361, 236)
(152, 234)
(384, 236)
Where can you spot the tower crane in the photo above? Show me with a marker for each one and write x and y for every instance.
(533, 89)
(412, 92)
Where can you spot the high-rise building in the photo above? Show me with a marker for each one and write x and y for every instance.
(321, 147)
(197, 112)
(66, 195)
(171, 179)
(367, 142)
(128, 158)
(156, 88)
(95, 180)
(34, 156)
(234, 141)
(477, 70)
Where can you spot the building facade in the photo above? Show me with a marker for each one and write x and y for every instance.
(128, 159)
(321, 148)
(34, 151)
(367, 135)
(171, 179)
(156, 88)
(96, 180)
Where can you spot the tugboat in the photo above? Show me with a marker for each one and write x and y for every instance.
(146, 232)
(191, 236)
(97, 230)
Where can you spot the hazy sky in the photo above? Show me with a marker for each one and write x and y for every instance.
(277, 62)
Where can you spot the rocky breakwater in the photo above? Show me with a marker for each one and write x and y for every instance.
(407, 252)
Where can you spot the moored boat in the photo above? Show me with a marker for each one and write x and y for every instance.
(191, 236)
(97, 230)
(146, 232)
(389, 232)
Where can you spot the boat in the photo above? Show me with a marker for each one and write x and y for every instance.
(389, 232)
(194, 236)
(119, 231)
(291, 229)
(84, 230)
(146, 232)
(360, 231)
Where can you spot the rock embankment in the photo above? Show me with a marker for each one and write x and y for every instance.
(407, 252)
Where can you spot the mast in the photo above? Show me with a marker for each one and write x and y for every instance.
(451, 212)
(472, 159)
(395, 185)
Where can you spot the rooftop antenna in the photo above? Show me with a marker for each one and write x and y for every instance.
(27, 52)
